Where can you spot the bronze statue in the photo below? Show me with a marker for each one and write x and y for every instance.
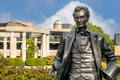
(80, 51)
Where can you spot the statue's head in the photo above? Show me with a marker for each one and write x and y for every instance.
(81, 15)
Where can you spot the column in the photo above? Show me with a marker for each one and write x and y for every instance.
(12, 45)
(35, 48)
(47, 45)
(24, 46)
(5, 48)
(43, 46)
(15, 47)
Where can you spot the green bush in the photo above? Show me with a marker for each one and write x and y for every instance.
(118, 61)
(35, 62)
(14, 61)
(30, 48)
(22, 73)
(49, 60)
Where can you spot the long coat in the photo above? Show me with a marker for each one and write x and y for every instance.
(62, 59)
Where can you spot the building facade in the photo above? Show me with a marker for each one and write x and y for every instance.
(13, 37)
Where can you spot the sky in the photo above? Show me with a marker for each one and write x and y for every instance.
(43, 13)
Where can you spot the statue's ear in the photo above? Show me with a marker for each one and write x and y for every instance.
(111, 72)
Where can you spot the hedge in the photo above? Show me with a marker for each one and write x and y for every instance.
(15, 61)
(35, 62)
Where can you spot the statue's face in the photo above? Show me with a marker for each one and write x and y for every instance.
(80, 18)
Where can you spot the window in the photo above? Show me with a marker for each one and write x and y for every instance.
(55, 36)
(19, 45)
(1, 45)
(117, 39)
(8, 45)
(53, 46)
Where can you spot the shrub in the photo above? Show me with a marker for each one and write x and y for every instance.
(14, 61)
(118, 61)
(49, 60)
(35, 62)
(22, 73)
(30, 48)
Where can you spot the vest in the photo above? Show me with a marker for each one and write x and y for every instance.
(82, 62)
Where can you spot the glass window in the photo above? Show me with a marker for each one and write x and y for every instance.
(54, 46)
(19, 45)
(8, 38)
(55, 36)
(39, 45)
(1, 38)
(1, 45)
(8, 45)
(117, 39)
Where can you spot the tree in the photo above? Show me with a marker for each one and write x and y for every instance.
(30, 48)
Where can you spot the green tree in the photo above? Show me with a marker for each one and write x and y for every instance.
(97, 29)
(30, 48)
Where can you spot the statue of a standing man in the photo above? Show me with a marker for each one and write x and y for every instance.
(80, 52)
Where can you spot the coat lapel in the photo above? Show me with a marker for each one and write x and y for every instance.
(68, 44)
(96, 49)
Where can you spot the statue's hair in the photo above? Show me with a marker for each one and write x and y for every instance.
(78, 8)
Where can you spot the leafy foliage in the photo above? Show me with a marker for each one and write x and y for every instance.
(14, 61)
(97, 29)
(22, 73)
(35, 62)
(118, 61)
(30, 48)
(48, 60)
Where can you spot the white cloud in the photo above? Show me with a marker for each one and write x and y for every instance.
(65, 16)
(5, 17)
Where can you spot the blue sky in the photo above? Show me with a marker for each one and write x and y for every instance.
(44, 12)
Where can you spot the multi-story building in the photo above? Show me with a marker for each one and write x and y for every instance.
(5, 37)
(13, 37)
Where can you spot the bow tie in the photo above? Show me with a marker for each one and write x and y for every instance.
(82, 32)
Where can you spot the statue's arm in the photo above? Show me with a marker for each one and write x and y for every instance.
(107, 52)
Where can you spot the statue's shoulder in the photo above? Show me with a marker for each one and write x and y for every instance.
(99, 36)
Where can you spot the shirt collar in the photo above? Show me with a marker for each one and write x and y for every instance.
(83, 30)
